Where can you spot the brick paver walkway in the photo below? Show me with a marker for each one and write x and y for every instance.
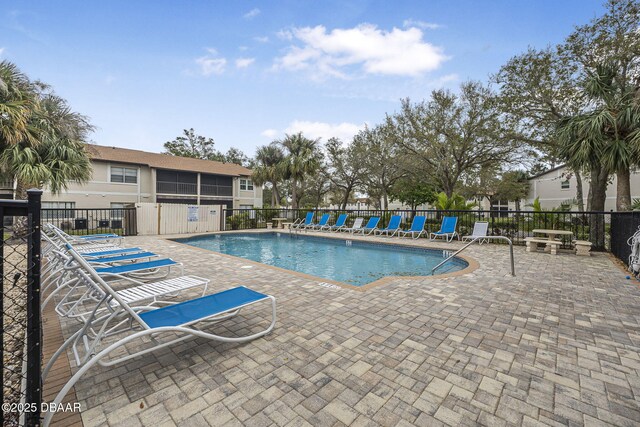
(556, 345)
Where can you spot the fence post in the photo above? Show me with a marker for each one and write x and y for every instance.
(34, 321)
(223, 218)
(2, 309)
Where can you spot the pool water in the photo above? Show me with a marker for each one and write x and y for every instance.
(354, 262)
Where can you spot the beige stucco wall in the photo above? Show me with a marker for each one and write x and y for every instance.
(246, 197)
(548, 188)
(100, 193)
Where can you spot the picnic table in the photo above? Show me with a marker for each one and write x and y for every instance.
(551, 243)
(279, 222)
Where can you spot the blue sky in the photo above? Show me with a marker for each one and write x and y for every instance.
(247, 72)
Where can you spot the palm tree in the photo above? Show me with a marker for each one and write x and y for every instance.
(454, 203)
(302, 159)
(57, 156)
(18, 102)
(268, 170)
(608, 134)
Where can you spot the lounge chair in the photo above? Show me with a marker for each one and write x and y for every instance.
(300, 223)
(371, 226)
(175, 323)
(357, 225)
(447, 229)
(393, 227)
(90, 238)
(417, 227)
(324, 220)
(340, 223)
(480, 229)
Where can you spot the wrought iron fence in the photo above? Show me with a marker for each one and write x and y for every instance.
(517, 225)
(120, 221)
(20, 308)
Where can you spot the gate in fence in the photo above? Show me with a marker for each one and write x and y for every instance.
(172, 218)
(20, 308)
(623, 226)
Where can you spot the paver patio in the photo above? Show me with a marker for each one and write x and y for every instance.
(556, 345)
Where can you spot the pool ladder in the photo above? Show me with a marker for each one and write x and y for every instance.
(513, 268)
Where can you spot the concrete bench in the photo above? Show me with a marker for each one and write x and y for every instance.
(582, 247)
(532, 244)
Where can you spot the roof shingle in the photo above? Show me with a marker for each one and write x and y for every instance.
(164, 161)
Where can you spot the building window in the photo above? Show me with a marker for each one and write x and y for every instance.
(500, 208)
(58, 210)
(125, 175)
(246, 184)
(565, 185)
(117, 211)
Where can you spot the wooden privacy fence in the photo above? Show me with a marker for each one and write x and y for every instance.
(170, 218)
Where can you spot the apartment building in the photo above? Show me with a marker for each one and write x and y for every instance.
(122, 177)
(559, 184)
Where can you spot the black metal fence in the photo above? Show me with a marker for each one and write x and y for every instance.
(517, 225)
(120, 221)
(20, 308)
(623, 226)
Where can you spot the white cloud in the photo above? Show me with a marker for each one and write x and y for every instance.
(107, 80)
(407, 23)
(244, 62)
(285, 35)
(344, 131)
(211, 63)
(251, 14)
(1, 50)
(270, 133)
(375, 51)
(263, 39)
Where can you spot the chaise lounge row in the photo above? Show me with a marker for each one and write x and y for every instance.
(447, 229)
(120, 295)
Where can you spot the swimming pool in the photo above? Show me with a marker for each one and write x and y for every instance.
(349, 261)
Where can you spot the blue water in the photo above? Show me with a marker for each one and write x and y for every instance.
(353, 262)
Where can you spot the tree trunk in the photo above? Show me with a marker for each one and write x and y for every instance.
(579, 191)
(448, 188)
(385, 199)
(276, 195)
(598, 197)
(294, 193)
(345, 201)
(623, 190)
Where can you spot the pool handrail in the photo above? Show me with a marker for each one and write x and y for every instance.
(513, 268)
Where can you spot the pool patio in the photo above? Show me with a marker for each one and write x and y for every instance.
(556, 345)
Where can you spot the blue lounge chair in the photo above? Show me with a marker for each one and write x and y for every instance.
(340, 223)
(323, 221)
(140, 268)
(371, 226)
(299, 223)
(417, 227)
(120, 257)
(393, 227)
(447, 229)
(88, 239)
(148, 327)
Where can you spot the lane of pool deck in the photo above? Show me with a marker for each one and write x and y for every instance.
(472, 263)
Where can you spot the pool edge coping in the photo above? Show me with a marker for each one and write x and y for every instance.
(473, 264)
